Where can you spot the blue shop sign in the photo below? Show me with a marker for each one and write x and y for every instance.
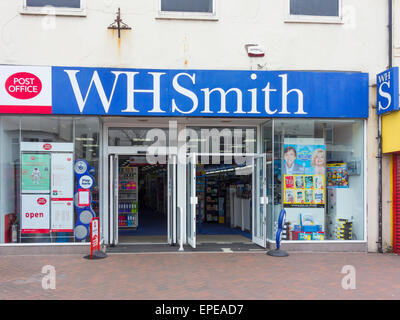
(387, 84)
(209, 93)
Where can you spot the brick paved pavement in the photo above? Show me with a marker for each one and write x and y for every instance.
(202, 276)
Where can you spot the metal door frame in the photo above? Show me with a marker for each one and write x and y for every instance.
(263, 199)
(113, 195)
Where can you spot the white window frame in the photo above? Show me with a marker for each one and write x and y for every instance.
(62, 11)
(312, 19)
(181, 15)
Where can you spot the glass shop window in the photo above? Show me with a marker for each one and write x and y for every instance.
(319, 179)
(39, 183)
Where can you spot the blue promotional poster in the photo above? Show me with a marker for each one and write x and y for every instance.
(304, 159)
(303, 169)
(304, 184)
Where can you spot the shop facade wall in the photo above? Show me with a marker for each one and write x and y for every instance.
(396, 33)
(372, 176)
(358, 43)
(387, 202)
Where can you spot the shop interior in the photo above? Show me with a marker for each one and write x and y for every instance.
(142, 201)
(223, 211)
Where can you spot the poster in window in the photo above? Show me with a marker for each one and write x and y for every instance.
(303, 168)
(35, 173)
(337, 175)
(62, 216)
(289, 182)
(62, 178)
(35, 213)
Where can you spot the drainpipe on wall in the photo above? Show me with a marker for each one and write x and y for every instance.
(390, 59)
(379, 184)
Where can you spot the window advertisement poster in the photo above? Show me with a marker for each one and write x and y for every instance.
(62, 216)
(303, 179)
(35, 173)
(62, 178)
(337, 175)
(35, 215)
(303, 171)
(62, 190)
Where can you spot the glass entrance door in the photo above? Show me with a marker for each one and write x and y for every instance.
(191, 199)
(260, 201)
(113, 191)
(172, 199)
(113, 199)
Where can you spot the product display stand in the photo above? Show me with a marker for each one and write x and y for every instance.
(281, 223)
(128, 198)
(211, 200)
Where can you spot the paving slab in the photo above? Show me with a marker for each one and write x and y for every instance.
(202, 275)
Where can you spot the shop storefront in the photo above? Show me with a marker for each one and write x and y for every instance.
(387, 108)
(163, 156)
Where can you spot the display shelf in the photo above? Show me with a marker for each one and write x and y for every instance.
(127, 198)
(211, 199)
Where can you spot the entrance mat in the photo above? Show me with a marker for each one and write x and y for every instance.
(204, 247)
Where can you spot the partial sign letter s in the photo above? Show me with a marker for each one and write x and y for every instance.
(385, 95)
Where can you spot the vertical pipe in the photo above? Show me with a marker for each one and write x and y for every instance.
(390, 58)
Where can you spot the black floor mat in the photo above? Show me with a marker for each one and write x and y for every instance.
(204, 247)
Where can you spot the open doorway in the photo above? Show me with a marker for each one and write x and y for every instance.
(142, 201)
(223, 211)
(222, 202)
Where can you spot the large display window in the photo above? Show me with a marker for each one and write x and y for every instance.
(43, 184)
(318, 175)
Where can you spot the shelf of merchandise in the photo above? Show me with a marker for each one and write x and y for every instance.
(128, 178)
(212, 194)
(200, 193)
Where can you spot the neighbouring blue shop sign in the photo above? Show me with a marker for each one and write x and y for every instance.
(201, 93)
(387, 84)
(209, 93)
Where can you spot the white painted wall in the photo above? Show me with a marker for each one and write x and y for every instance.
(357, 44)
